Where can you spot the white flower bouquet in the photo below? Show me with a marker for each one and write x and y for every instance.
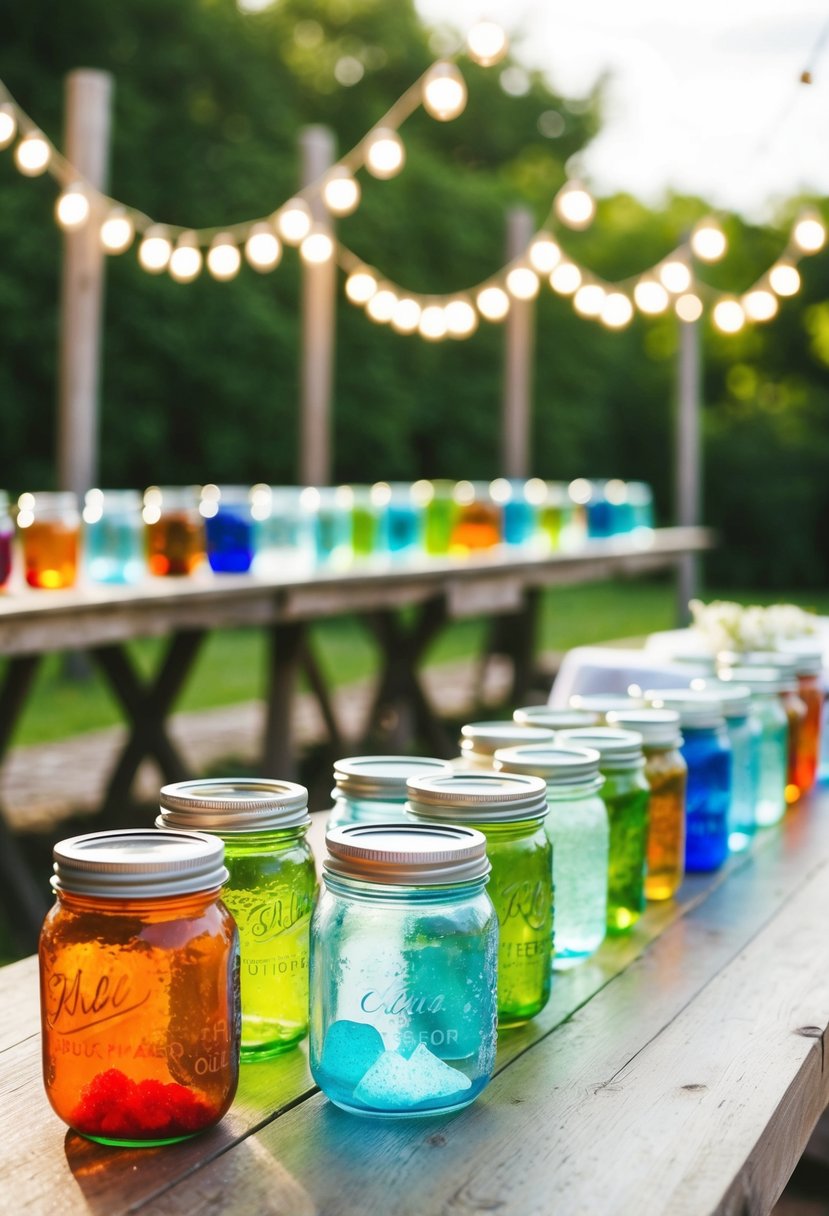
(725, 625)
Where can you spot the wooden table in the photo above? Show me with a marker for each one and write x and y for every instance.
(679, 1073)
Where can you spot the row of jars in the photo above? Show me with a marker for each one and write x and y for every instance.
(120, 536)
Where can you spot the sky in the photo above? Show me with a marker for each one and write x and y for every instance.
(702, 98)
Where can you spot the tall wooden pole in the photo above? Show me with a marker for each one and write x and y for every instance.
(688, 455)
(88, 102)
(319, 285)
(516, 418)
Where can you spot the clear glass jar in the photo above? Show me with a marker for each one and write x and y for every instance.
(579, 832)
(372, 789)
(114, 536)
(745, 734)
(772, 764)
(139, 987)
(229, 531)
(478, 523)
(50, 532)
(554, 719)
(626, 795)
(283, 540)
(510, 810)
(404, 953)
(6, 540)
(667, 776)
(329, 509)
(271, 888)
(174, 530)
(481, 740)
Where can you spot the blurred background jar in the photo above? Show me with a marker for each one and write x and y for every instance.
(481, 740)
(114, 536)
(283, 540)
(6, 540)
(174, 530)
(228, 523)
(50, 530)
(372, 789)
(440, 515)
(479, 522)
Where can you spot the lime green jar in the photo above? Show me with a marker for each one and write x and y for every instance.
(271, 891)
(510, 810)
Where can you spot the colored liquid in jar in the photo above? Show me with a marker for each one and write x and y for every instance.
(666, 834)
(478, 526)
(229, 541)
(115, 549)
(808, 751)
(441, 515)
(175, 543)
(50, 554)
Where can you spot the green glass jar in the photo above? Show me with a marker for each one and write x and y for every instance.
(510, 810)
(372, 789)
(481, 740)
(627, 797)
(271, 891)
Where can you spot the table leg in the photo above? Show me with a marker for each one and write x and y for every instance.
(286, 653)
(514, 635)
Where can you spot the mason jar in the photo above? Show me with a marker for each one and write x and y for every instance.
(579, 832)
(6, 540)
(479, 519)
(229, 528)
(114, 536)
(174, 530)
(766, 684)
(481, 740)
(270, 890)
(603, 703)
(329, 509)
(437, 499)
(626, 795)
(401, 518)
(50, 533)
(510, 811)
(744, 734)
(372, 789)
(404, 956)
(282, 531)
(667, 776)
(139, 987)
(520, 501)
(809, 672)
(554, 719)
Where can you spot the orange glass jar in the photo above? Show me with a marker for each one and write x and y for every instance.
(50, 528)
(176, 542)
(809, 669)
(139, 987)
(478, 523)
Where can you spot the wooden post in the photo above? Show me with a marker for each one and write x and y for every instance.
(518, 359)
(88, 99)
(688, 456)
(319, 284)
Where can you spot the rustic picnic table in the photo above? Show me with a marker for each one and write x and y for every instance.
(678, 1073)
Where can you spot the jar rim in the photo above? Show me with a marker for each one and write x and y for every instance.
(233, 804)
(478, 797)
(395, 854)
(382, 777)
(554, 763)
(555, 719)
(618, 749)
(138, 863)
(485, 738)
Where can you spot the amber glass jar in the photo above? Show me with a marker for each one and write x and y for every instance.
(139, 987)
(809, 669)
(176, 543)
(50, 530)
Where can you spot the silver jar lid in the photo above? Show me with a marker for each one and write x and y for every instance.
(618, 749)
(555, 719)
(407, 855)
(735, 699)
(659, 728)
(807, 656)
(553, 764)
(476, 797)
(768, 680)
(697, 710)
(785, 663)
(603, 702)
(233, 804)
(383, 777)
(485, 738)
(140, 863)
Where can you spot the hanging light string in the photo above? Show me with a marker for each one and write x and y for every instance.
(671, 283)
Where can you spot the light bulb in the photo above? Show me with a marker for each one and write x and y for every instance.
(294, 221)
(72, 208)
(574, 205)
(360, 286)
(566, 279)
(117, 231)
(809, 232)
(708, 240)
(155, 249)
(544, 254)
(675, 276)
(341, 191)
(589, 300)
(493, 303)
(32, 154)
(461, 318)
(650, 296)
(784, 279)
(385, 154)
(317, 248)
(444, 92)
(8, 124)
(688, 307)
(760, 304)
(486, 43)
(186, 259)
(728, 316)
(406, 316)
(432, 324)
(223, 257)
(381, 306)
(262, 248)
(522, 283)
(617, 310)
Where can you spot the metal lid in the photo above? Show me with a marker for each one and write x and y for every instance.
(658, 727)
(786, 664)
(383, 777)
(476, 797)
(555, 765)
(806, 654)
(697, 710)
(233, 804)
(618, 749)
(602, 702)
(735, 699)
(769, 680)
(554, 719)
(407, 855)
(141, 863)
(486, 738)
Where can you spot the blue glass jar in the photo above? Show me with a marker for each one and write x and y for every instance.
(554, 719)
(404, 950)
(481, 740)
(114, 536)
(745, 735)
(767, 684)
(372, 789)
(520, 501)
(402, 518)
(229, 532)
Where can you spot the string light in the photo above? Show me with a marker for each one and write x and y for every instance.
(262, 248)
(317, 248)
(728, 315)
(341, 191)
(32, 154)
(650, 296)
(186, 259)
(432, 324)
(444, 92)
(385, 154)
(574, 206)
(461, 318)
(708, 240)
(72, 208)
(544, 254)
(382, 304)
(406, 315)
(760, 305)
(688, 307)
(117, 231)
(617, 310)
(589, 300)
(675, 276)
(360, 286)
(223, 257)
(522, 283)
(784, 279)
(8, 124)
(809, 233)
(293, 221)
(155, 249)
(493, 303)
(566, 279)
(487, 43)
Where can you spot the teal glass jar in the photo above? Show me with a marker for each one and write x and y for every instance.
(510, 811)
(114, 536)
(270, 890)
(404, 955)
(766, 685)
(626, 795)
(481, 740)
(579, 832)
(372, 789)
(554, 719)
